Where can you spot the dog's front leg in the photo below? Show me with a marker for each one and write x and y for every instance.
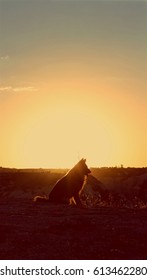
(77, 200)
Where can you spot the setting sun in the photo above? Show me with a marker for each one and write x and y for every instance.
(57, 132)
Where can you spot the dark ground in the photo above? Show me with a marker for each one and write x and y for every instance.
(31, 231)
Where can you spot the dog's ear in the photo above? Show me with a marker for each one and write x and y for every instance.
(83, 159)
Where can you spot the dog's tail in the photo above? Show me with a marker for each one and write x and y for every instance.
(41, 199)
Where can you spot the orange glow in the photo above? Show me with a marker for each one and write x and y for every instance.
(56, 132)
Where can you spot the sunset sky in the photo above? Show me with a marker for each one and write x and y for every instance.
(73, 83)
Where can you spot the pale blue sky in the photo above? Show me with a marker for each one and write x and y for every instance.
(50, 29)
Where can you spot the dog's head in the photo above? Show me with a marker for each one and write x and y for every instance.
(83, 168)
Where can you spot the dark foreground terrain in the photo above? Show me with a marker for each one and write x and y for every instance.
(113, 226)
(30, 231)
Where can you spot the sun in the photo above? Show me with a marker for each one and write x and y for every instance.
(59, 138)
(56, 140)
(56, 134)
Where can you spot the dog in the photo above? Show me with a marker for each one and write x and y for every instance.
(67, 189)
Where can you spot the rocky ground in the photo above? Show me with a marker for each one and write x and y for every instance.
(42, 231)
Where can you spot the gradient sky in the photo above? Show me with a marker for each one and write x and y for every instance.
(73, 83)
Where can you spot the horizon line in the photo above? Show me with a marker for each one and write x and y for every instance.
(62, 168)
